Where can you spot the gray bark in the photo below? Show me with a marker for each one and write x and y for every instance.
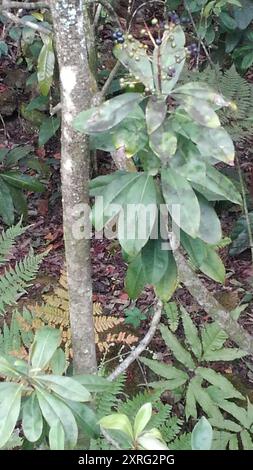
(76, 93)
(208, 302)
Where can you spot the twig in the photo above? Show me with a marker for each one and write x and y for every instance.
(197, 34)
(141, 346)
(106, 4)
(110, 439)
(245, 207)
(25, 5)
(110, 79)
(22, 22)
(97, 16)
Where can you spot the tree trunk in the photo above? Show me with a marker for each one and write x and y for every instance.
(76, 93)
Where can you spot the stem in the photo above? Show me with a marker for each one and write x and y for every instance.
(141, 346)
(22, 22)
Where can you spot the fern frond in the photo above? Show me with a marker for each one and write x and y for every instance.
(160, 415)
(7, 240)
(14, 281)
(182, 442)
(132, 405)
(106, 402)
(171, 428)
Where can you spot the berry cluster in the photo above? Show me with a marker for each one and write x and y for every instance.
(118, 37)
(174, 18)
(192, 49)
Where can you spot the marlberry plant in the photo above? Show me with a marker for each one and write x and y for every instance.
(168, 140)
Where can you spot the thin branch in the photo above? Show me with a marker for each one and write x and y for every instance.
(109, 439)
(208, 302)
(26, 5)
(245, 206)
(197, 33)
(97, 16)
(22, 22)
(141, 346)
(110, 79)
(107, 6)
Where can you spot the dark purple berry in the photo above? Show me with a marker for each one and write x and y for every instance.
(115, 36)
(158, 41)
(120, 40)
(171, 72)
(119, 34)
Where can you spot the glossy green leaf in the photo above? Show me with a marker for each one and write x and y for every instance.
(66, 387)
(19, 200)
(213, 338)
(164, 370)
(210, 227)
(19, 180)
(190, 402)
(200, 91)
(224, 354)
(213, 267)
(3, 153)
(155, 261)
(85, 417)
(93, 383)
(195, 248)
(180, 353)
(218, 380)
(17, 154)
(203, 399)
(53, 410)
(142, 418)
(215, 143)
(56, 436)
(9, 412)
(156, 111)
(32, 422)
(135, 59)
(118, 422)
(6, 203)
(114, 196)
(167, 285)
(202, 435)
(108, 115)
(135, 278)
(131, 133)
(138, 215)
(46, 342)
(58, 362)
(218, 184)
(178, 192)
(163, 142)
(48, 129)
(172, 315)
(45, 71)
(170, 56)
(152, 440)
(200, 111)
(246, 440)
